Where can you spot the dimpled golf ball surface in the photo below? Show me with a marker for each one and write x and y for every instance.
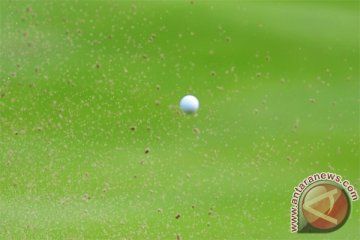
(189, 104)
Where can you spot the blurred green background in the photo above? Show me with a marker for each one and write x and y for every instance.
(86, 87)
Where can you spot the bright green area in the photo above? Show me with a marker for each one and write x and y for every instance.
(278, 84)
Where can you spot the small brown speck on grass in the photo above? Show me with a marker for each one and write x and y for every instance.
(147, 150)
(132, 129)
(211, 211)
(178, 216)
(106, 187)
(312, 100)
(196, 131)
(86, 197)
(178, 237)
(152, 37)
(296, 124)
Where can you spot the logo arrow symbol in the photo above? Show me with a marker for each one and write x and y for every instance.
(315, 212)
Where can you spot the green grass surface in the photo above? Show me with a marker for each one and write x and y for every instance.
(278, 84)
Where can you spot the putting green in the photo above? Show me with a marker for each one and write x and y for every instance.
(86, 87)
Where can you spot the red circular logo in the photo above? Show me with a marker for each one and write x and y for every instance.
(325, 206)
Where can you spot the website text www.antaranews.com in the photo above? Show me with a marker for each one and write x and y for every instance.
(333, 177)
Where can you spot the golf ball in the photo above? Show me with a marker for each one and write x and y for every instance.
(189, 104)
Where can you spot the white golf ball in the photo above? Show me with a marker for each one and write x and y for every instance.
(189, 104)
